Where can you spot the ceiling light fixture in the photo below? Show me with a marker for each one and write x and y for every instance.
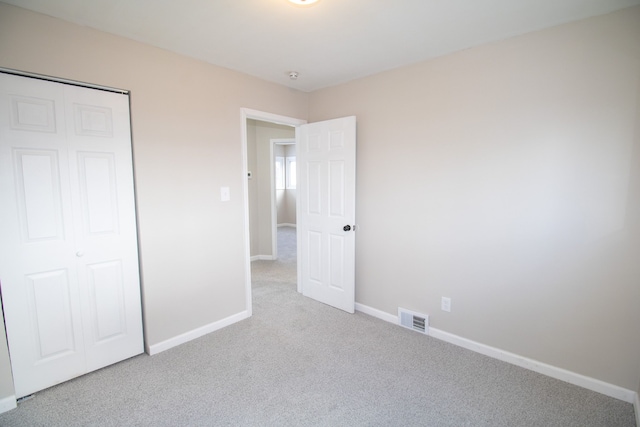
(303, 2)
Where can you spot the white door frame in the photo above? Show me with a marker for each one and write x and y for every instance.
(245, 114)
(274, 209)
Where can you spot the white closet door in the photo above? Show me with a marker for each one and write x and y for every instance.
(68, 256)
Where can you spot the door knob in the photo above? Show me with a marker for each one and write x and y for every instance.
(346, 228)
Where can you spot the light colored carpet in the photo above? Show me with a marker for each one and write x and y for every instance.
(297, 362)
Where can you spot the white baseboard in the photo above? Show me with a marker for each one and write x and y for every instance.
(196, 333)
(8, 403)
(536, 366)
(262, 258)
(287, 224)
(636, 405)
(589, 383)
(377, 313)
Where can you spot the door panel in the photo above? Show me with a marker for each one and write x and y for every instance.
(326, 196)
(32, 114)
(51, 314)
(107, 301)
(37, 279)
(336, 189)
(100, 161)
(314, 258)
(93, 121)
(38, 194)
(313, 188)
(336, 261)
(98, 193)
(68, 254)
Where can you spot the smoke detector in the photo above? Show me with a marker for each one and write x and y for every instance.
(293, 75)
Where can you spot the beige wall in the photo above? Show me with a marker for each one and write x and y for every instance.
(507, 177)
(288, 214)
(186, 137)
(260, 188)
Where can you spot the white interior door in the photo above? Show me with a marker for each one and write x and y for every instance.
(68, 255)
(326, 158)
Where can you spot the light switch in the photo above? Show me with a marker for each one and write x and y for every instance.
(225, 194)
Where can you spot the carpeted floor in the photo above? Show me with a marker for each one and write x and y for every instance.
(297, 362)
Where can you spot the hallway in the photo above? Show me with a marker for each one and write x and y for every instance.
(279, 272)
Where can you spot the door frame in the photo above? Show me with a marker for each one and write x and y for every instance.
(245, 114)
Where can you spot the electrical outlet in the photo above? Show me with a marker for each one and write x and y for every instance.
(445, 304)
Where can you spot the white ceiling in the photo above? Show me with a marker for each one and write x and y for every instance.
(329, 43)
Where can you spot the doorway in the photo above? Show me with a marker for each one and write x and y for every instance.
(326, 241)
(260, 210)
(283, 192)
(269, 186)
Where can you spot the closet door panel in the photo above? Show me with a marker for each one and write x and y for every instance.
(101, 169)
(38, 279)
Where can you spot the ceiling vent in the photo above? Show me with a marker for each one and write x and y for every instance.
(414, 321)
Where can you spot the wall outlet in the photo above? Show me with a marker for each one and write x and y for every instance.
(445, 304)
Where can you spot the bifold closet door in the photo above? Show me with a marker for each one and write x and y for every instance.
(68, 254)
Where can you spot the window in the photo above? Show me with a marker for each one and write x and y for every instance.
(280, 173)
(285, 172)
(291, 172)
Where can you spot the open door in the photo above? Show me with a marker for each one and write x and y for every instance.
(326, 153)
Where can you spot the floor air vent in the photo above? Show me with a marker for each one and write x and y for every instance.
(414, 321)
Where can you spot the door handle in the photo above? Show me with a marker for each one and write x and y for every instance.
(349, 228)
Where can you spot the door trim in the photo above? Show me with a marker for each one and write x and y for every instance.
(64, 81)
(245, 114)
